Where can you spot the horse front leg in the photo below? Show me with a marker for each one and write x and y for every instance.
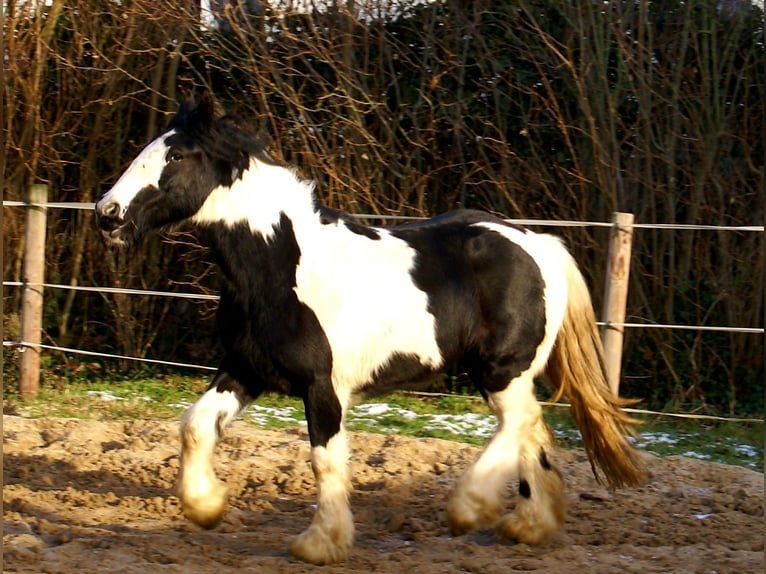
(331, 534)
(203, 496)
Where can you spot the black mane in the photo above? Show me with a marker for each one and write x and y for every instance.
(227, 138)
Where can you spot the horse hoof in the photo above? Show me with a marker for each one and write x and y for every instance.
(528, 528)
(208, 510)
(316, 546)
(467, 513)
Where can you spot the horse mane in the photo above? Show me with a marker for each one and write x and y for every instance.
(226, 138)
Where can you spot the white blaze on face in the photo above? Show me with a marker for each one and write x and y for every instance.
(143, 172)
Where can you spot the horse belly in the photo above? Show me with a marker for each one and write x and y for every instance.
(367, 341)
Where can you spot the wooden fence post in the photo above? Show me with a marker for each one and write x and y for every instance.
(616, 295)
(32, 296)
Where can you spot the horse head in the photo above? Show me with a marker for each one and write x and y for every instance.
(170, 179)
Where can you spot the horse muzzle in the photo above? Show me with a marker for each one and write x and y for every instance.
(110, 222)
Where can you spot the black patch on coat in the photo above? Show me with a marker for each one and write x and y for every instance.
(402, 371)
(544, 462)
(485, 292)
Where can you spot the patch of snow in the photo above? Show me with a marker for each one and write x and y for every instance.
(379, 409)
(104, 396)
(746, 450)
(692, 454)
(263, 415)
(181, 405)
(658, 437)
(468, 423)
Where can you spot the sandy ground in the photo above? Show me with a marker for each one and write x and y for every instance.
(90, 496)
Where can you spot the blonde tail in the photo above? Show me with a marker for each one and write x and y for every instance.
(576, 366)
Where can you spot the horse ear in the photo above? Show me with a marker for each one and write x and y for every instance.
(195, 115)
(206, 108)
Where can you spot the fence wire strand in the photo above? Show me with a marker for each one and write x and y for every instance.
(541, 222)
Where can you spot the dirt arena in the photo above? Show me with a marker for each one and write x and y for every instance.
(89, 496)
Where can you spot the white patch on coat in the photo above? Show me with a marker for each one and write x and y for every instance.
(362, 293)
(258, 198)
(477, 500)
(331, 534)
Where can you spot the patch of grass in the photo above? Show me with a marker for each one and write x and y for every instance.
(145, 398)
(455, 417)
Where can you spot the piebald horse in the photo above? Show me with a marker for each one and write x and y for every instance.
(317, 306)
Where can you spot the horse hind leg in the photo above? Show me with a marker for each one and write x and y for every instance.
(541, 508)
(477, 499)
(518, 449)
(203, 496)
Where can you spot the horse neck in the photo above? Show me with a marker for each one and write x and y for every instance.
(253, 229)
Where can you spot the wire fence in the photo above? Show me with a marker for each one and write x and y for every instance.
(21, 345)
(540, 222)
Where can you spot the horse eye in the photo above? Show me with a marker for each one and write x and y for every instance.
(176, 156)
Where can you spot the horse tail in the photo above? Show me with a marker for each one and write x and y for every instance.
(576, 366)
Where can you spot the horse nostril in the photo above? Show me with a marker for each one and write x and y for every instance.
(108, 215)
(109, 210)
